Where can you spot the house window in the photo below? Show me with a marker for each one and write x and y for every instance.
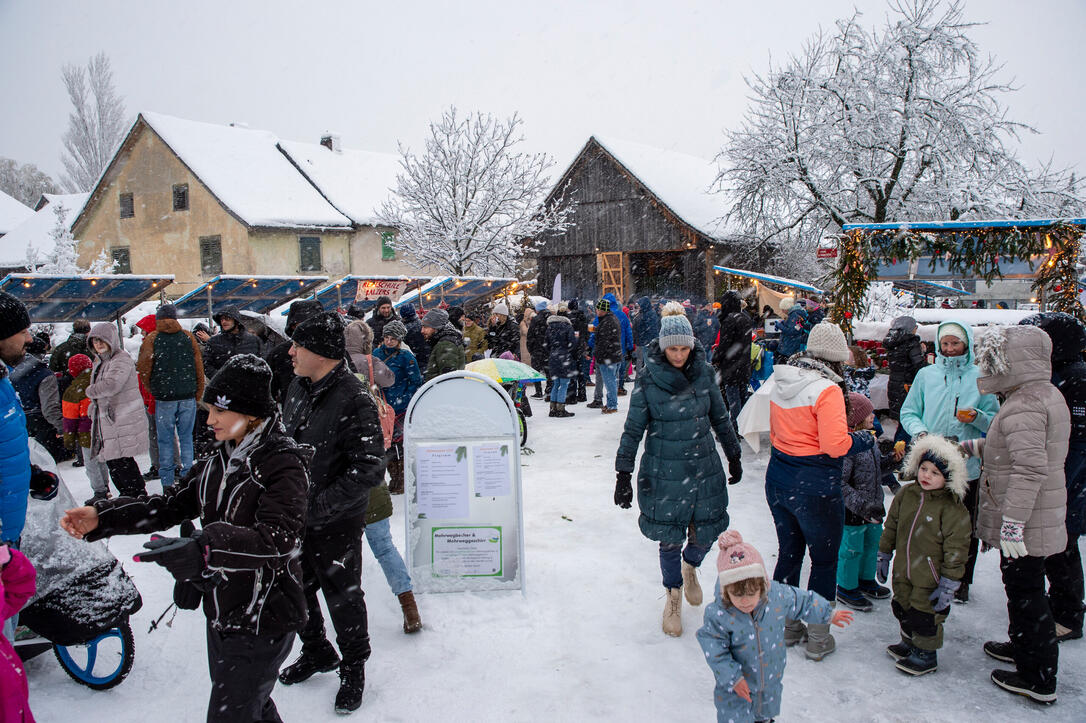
(309, 253)
(210, 255)
(122, 260)
(181, 197)
(388, 253)
(128, 208)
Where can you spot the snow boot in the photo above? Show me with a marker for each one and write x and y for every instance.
(150, 474)
(554, 410)
(352, 681)
(1011, 681)
(98, 496)
(595, 404)
(412, 623)
(608, 410)
(395, 476)
(319, 659)
(795, 632)
(673, 618)
(1000, 651)
(961, 595)
(819, 641)
(691, 586)
(918, 662)
(562, 411)
(899, 651)
(1064, 633)
(874, 591)
(854, 599)
(581, 395)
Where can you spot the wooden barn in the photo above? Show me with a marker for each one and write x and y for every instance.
(645, 223)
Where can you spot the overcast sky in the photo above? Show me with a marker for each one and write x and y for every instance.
(666, 74)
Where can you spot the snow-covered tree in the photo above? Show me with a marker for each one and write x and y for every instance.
(103, 264)
(868, 125)
(95, 125)
(471, 204)
(64, 257)
(24, 182)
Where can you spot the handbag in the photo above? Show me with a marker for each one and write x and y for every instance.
(385, 413)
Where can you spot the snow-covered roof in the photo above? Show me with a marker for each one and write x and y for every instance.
(247, 172)
(356, 182)
(35, 231)
(12, 213)
(682, 182)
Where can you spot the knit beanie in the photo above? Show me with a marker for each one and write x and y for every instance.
(79, 363)
(540, 305)
(675, 329)
(435, 318)
(13, 316)
(501, 308)
(381, 301)
(953, 328)
(603, 305)
(408, 313)
(147, 323)
(322, 334)
(859, 407)
(787, 303)
(166, 311)
(242, 385)
(942, 464)
(395, 329)
(738, 560)
(826, 341)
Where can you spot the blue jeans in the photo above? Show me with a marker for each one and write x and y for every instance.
(609, 376)
(670, 554)
(379, 535)
(623, 366)
(807, 522)
(177, 415)
(558, 391)
(735, 396)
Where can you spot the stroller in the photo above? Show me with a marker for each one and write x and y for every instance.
(515, 390)
(83, 600)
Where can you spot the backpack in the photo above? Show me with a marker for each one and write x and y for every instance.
(385, 413)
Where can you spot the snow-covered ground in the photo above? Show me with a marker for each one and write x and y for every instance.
(584, 643)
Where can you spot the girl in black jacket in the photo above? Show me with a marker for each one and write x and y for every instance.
(250, 496)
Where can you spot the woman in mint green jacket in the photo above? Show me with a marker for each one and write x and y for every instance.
(944, 400)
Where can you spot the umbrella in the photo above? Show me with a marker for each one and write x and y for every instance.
(506, 371)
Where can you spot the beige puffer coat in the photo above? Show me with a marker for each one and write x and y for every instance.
(118, 422)
(1024, 452)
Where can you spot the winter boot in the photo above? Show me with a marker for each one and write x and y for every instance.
(673, 618)
(318, 659)
(819, 641)
(1000, 651)
(691, 586)
(412, 623)
(581, 395)
(918, 662)
(961, 595)
(352, 681)
(150, 474)
(395, 476)
(874, 591)
(1064, 633)
(594, 404)
(1010, 680)
(562, 411)
(795, 632)
(899, 651)
(854, 599)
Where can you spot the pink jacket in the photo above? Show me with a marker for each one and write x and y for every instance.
(16, 587)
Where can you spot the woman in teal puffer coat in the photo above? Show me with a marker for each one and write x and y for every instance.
(680, 482)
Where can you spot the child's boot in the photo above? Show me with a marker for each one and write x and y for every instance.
(795, 632)
(854, 599)
(918, 662)
(691, 586)
(873, 590)
(900, 650)
(819, 641)
(673, 618)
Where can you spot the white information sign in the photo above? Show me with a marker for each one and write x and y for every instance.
(493, 473)
(442, 474)
(467, 551)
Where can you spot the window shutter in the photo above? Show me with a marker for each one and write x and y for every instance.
(128, 207)
(122, 260)
(210, 255)
(181, 197)
(309, 253)
(388, 253)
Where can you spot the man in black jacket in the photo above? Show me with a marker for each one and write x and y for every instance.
(537, 345)
(279, 357)
(382, 314)
(328, 408)
(607, 353)
(503, 334)
(732, 354)
(76, 343)
(231, 340)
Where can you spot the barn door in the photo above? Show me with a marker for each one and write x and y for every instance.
(612, 274)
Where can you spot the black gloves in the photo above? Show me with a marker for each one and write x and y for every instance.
(182, 556)
(623, 490)
(735, 470)
(43, 484)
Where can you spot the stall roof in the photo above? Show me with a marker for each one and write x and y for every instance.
(963, 225)
(342, 293)
(456, 290)
(930, 288)
(769, 278)
(64, 297)
(258, 294)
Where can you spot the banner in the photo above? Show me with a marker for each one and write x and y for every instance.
(373, 289)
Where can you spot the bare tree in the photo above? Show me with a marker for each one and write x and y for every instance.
(875, 125)
(95, 125)
(25, 183)
(471, 203)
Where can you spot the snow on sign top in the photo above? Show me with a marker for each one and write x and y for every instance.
(681, 181)
(245, 169)
(356, 182)
(35, 232)
(12, 213)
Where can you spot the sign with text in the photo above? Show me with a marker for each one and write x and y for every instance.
(373, 289)
(827, 253)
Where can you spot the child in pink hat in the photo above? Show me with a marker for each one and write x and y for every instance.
(743, 634)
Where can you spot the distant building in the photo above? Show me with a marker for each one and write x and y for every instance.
(35, 233)
(12, 213)
(645, 223)
(197, 200)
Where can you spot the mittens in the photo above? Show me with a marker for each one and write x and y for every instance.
(1011, 540)
(882, 567)
(944, 593)
(182, 556)
(735, 470)
(623, 490)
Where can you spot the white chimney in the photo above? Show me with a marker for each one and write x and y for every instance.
(331, 141)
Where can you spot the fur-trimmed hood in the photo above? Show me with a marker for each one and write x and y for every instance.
(957, 476)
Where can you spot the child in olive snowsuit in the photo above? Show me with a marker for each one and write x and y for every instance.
(927, 531)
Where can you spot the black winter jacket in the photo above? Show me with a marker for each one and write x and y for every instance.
(732, 354)
(906, 359)
(537, 340)
(253, 522)
(504, 337)
(560, 346)
(580, 326)
(338, 418)
(377, 323)
(75, 344)
(225, 345)
(607, 348)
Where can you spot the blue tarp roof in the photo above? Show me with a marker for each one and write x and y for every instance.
(769, 278)
(63, 297)
(258, 294)
(456, 291)
(342, 293)
(964, 225)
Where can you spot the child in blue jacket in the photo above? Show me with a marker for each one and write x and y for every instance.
(743, 634)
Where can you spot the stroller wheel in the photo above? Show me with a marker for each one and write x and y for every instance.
(523, 428)
(101, 663)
